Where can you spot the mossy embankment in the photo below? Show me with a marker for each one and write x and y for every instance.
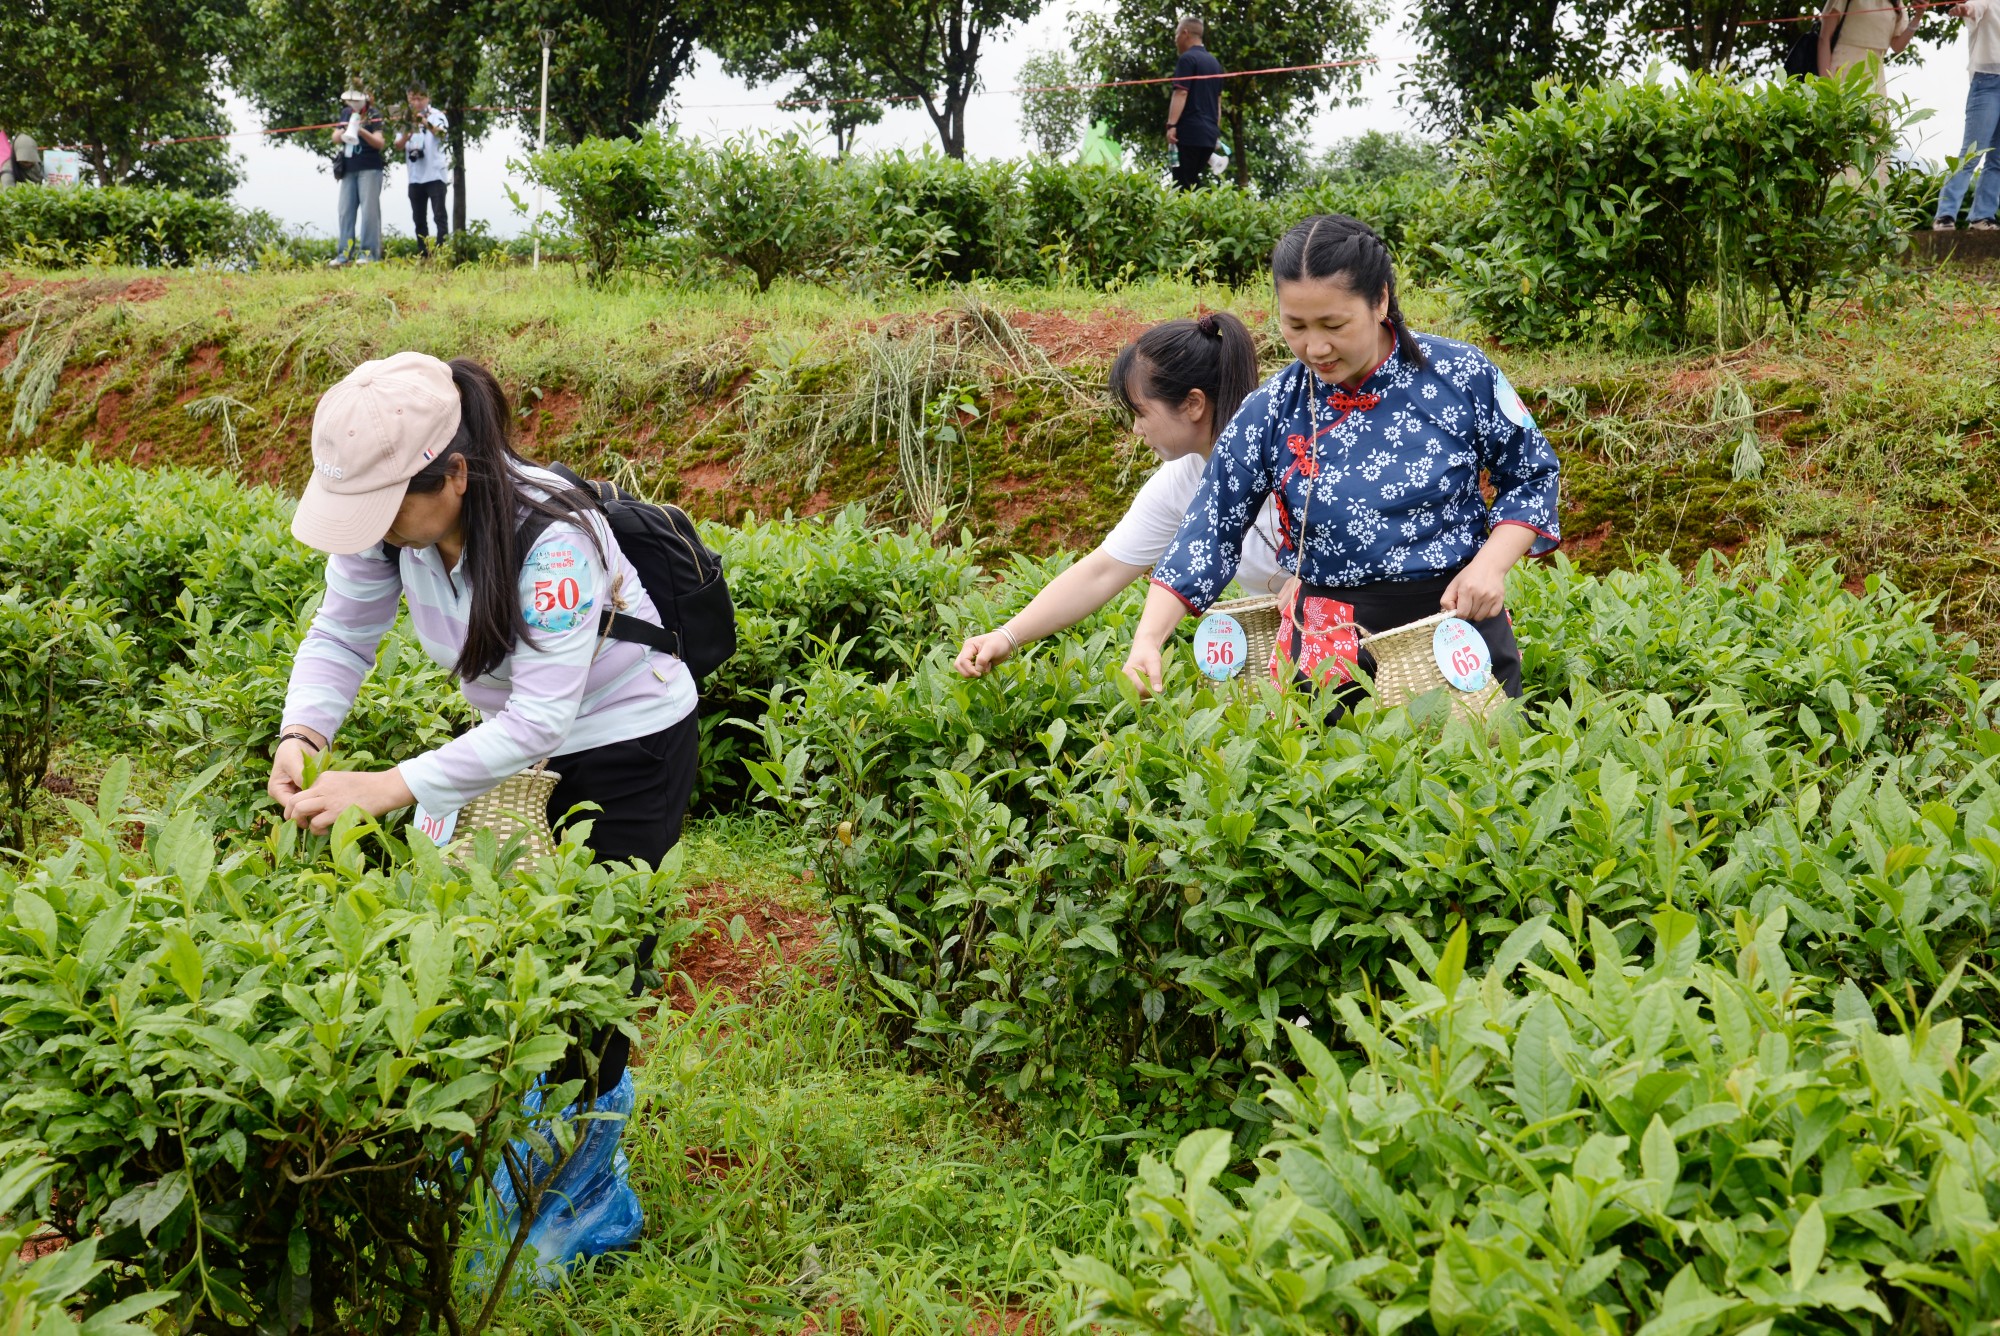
(1872, 435)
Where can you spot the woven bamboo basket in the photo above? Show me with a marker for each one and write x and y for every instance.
(1258, 616)
(517, 804)
(1406, 667)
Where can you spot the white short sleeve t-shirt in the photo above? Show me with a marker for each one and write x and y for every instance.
(1141, 538)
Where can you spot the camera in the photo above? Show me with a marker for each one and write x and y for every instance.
(413, 154)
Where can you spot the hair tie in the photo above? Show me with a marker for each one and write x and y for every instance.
(1209, 325)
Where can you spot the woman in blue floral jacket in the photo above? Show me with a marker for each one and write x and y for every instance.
(1375, 441)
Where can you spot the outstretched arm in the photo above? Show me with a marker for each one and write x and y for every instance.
(1062, 603)
(1164, 610)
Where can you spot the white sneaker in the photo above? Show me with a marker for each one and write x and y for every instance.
(365, 259)
(337, 262)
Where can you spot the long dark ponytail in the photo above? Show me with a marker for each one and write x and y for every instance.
(491, 516)
(1214, 354)
(1333, 245)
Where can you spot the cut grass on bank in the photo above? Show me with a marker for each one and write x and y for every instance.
(1871, 433)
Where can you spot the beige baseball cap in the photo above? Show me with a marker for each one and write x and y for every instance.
(372, 433)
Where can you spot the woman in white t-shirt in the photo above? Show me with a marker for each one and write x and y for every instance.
(1181, 381)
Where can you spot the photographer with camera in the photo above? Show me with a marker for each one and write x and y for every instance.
(357, 165)
(422, 147)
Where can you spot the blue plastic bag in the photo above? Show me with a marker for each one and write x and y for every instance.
(588, 1208)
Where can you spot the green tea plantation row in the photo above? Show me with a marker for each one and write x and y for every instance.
(160, 609)
(1645, 1009)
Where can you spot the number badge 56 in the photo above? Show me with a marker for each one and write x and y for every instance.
(1219, 646)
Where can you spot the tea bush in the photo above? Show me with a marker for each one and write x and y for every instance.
(57, 656)
(274, 1083)
(612, 195)
(772, 206)
(224, 705)
(1789, 639)
(221, 594)
(1084, 899)
(1624, 198)
(139, 539)
(127, 225)
(36, 1291)
(767, 203)
(835, 586)
(1578, 1141)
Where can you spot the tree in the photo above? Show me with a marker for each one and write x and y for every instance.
(923, 50)
(1713, 35)
(1376, 155)
(613, 62)
(1264, 116)
(1053, 110)
(1482, 57)
(303, 53)
(111, 77)
(759, 46)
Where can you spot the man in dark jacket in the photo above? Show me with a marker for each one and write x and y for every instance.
(1194, 117)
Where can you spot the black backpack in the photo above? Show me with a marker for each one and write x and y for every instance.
(1803, 56)
(681, 576)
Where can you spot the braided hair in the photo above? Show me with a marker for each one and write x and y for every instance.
(1213, 353)
(1333, 245)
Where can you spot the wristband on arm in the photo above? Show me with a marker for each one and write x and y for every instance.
(293, 735)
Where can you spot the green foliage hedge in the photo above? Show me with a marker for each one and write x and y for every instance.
(1627, 198)
(215, 595)
(772, 206)
(127, 225)
(274, 1078)
(1080, 898)
(1619, 201)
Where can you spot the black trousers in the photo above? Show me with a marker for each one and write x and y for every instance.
(1192, 167)
(1387, 604)
(431, 193)
(642, 787)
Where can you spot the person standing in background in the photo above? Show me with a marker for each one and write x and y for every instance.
(1194, 117)
(1850, 33)
(25, 160)
(358, 145)
(422, 147)
(1982, 122)
(6, 159)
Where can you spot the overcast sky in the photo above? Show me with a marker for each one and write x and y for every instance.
(288, 182)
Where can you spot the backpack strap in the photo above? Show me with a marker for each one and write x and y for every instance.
(612, 623)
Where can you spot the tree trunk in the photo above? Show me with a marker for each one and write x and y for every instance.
(457, 135)
(954, 127)
(1236, 144)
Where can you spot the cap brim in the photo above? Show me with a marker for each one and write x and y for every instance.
(344, 525)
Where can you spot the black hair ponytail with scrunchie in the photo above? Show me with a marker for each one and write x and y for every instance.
(1213, 353)
(1335, 246)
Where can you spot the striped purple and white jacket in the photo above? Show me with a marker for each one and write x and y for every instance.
(557, 692)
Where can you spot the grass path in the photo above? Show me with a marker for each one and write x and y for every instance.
(799, 1178)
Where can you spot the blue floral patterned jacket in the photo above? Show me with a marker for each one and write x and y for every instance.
(1395, 473)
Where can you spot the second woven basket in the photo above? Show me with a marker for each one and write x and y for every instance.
(1405, 666)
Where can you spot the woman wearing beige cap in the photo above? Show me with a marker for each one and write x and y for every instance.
(418, 496)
